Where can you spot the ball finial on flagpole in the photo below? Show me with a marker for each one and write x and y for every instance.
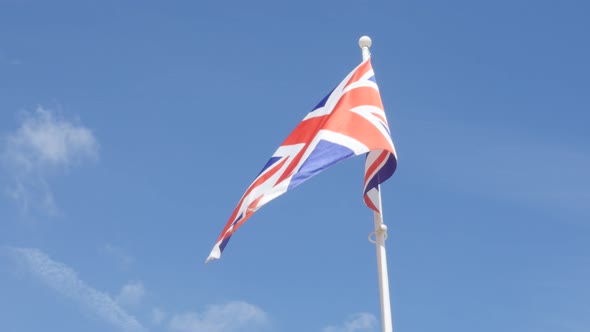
(365, 41)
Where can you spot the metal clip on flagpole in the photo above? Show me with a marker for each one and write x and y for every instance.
(380, 236)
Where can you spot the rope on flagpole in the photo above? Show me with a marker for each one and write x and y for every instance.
(380, 235)
(383, 230)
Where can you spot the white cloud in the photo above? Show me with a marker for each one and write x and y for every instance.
(232, 316)
(66, 282)
(131, 294)
(158, 316)
(44, 139)
(363, 321)
(42, 145)
(33, 192)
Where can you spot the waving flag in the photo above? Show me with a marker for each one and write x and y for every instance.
(348, 122)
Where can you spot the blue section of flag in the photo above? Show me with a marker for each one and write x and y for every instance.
(383, 174)
(269, 163)
(323, 156)
(386, 128)
(322, 103)
(224, 242)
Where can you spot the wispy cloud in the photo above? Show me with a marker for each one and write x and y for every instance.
(9, 61)
(131, 294)
(234, 316)
(31, 192)
(118, 253)
(65, 281)
(158, 316)
(229, 317)
(360, 322)
(46, 140)
(43, 145)
(516, 166)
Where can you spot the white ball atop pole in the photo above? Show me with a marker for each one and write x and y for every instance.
(365, 41)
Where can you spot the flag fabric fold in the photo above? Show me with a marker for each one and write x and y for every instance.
(348, 122)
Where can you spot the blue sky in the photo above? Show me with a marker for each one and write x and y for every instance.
(129, 130)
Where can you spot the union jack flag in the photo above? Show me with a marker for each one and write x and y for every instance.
(348, 122)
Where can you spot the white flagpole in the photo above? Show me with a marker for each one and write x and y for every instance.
(380, 236)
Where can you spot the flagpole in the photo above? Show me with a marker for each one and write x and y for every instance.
(380, 235)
